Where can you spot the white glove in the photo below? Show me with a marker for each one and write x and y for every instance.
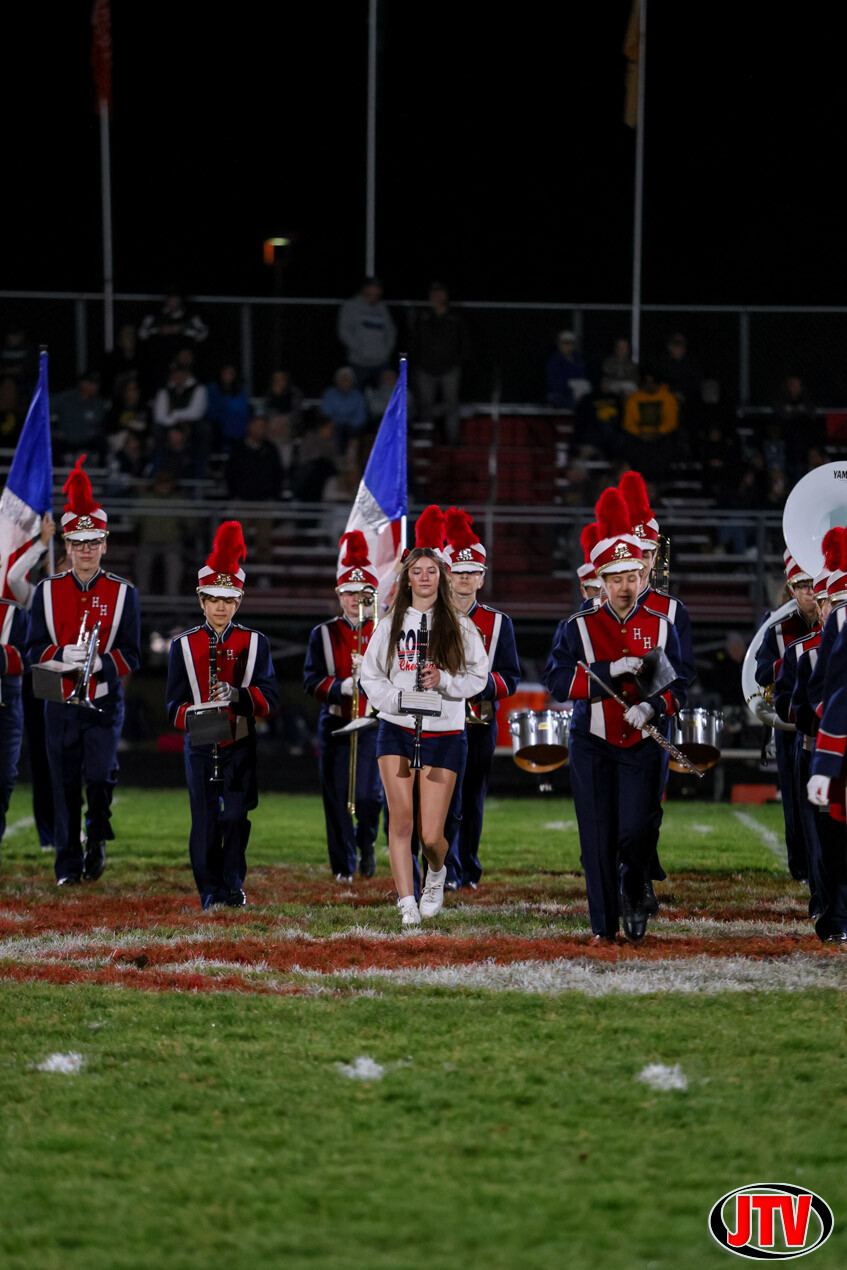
(75, 654)
(97, 664)
(224, 693)
(817, 790)
(637, 716)
(357, 659)
(625, 666)
(347, 686)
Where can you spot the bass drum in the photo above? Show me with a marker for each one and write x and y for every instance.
(697, 733)
(539, 738)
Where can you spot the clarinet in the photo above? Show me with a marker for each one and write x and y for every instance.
(423, 641)
(217, 775)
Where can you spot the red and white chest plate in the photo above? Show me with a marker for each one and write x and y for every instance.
(67, 609)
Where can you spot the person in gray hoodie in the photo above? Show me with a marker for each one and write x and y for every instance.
(367, 331)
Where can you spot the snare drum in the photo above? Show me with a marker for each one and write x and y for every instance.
(697, 733)
(539, 738)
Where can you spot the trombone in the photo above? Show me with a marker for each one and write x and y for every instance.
(367, 596)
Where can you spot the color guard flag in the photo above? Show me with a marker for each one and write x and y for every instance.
(381, 502)
(29, 487)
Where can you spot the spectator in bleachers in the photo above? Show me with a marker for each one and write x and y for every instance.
(173, 455)
(598, 432)
(185, 402)
(284, 400)
(438, 351)
(567, 377)
(160, 538)
(651, 421)
(228, 407)
(128, 414)
(340, 492)
(367, 331)
(121, 364)
(799, 427)
(165, 333)
(318, 460)
(126, 463)
(280, 434)
(78, 416)
(254, 475)
(11, 412)
(345, 405)
(619, 371)
(678, 369)
(19, 361)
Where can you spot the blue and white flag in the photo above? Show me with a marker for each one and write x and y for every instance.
(27, 496)
(382, 501)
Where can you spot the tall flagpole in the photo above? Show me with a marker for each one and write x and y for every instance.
(370, 174)
(106, 194)
(638, 216)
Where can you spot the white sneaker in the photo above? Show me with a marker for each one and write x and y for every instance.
(409, 912)
(432, 896)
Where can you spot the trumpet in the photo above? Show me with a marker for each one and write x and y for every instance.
(79, 696)
(367, 596)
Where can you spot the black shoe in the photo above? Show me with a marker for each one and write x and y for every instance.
(597, 940)
(344, 877)
(237, 899)
(830, 934)
(367, 863)
(633, 917)
(649, 901)
(94, 862)
(452, 886)
(69, 880)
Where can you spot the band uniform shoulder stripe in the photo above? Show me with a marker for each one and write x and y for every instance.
(190, 668)
(587, 646)
(328, 653)
(118, 614)
(251, 659)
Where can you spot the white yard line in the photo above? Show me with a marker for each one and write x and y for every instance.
(766, 836)
(28, 822)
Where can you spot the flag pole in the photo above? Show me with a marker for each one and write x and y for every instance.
(638, 216)
(106, 192)
(370, 173)
(51, 547)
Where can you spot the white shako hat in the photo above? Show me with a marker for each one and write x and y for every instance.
(83, 519)
(355, 571)
(617, 549)
(793, 572)
(466, 552)
(643, 523)
(222, 573)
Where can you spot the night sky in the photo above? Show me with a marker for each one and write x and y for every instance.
(504, 165)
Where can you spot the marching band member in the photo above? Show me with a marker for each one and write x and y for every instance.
(223, 662)
(645, 527)
(791, 703)
(82, 744)
(467, 574)
(591, 586)
(616, 770)
(333, 662)
(768, 662)
(449, 660)
(14, 636)
(837, 592)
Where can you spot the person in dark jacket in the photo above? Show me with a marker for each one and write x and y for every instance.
(439, 348)
(254, 474)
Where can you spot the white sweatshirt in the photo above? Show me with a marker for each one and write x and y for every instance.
(454, 689)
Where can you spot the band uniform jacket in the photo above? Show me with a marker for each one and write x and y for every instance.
(599, 637)
(668, 606)
(777, 638)
(243, 658)
(498, 637)
(14, 635)
(834, 623)
(62, 604)
(791, 691)
(329, 661)
(831, 740)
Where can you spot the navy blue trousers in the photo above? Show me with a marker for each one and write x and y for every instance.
(616, 794)
(826, 845)
(220, 829)
(345, 841)
(463, 828)
(11, 731)
(82, 748)
(42, 787)
(798, 864)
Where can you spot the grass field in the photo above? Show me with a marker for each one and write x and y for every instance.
(302, 1084)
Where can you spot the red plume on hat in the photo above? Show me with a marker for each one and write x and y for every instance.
(612, 512)
(588, 539)
(78, 489)
(357, 549)
(429, 528)
(643, 521)
(457, 525)
(833, 548)
(228, 549)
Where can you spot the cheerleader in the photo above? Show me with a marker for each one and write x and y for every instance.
(456, 667)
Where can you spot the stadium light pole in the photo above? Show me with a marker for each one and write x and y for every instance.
(370, 172)
(638, 217)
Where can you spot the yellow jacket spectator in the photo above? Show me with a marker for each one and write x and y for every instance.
(651, 412)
